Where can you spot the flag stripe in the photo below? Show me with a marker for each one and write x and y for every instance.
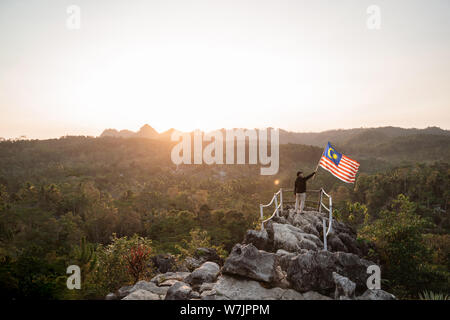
(347, 168)
(325, 166)
(354, 163)
(333, 169)
(343, 170)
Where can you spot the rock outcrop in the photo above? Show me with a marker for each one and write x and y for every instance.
(285, 261)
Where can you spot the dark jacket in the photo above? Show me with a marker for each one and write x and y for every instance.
(300, 183)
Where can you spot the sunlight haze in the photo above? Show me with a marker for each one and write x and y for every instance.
(295, 65)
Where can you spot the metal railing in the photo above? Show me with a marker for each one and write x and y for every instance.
(277, 200)
(278, 207)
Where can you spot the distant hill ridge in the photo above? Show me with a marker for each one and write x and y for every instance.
(343, 137)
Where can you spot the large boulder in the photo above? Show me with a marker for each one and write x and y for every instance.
(285, 258)
(179, 291)
(164, 263)
(201, 255)
(149, 286)
(259, 238)
(208, 254)
(142, 295)
(293, 239)
(207, 272)
(312, 271)
(231, 288)
(247, 261)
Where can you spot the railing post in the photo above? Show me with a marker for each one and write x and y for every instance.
(276, 203)
(330, 220)
(324, 234)
(281, 200)
(262, 216)
(320, 201)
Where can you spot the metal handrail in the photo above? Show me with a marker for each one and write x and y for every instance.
(279, 207)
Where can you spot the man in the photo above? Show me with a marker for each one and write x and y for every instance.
(300, 190)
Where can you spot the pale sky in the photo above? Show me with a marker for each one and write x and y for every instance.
(296, 65)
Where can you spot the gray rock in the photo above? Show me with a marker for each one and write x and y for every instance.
(206, 287)
(335, 243)
(248, 261)
(111, 296)
(345, 288)
(370, 294)
(168, 283)
(207, 272)
(149, 286)
(260, 239)
(142, 295)
(230, 288)
(123, 291)
(312, 271)
(285, 257)
(164, 263)
(192, 263)
(293, 239)
(208, 254)
(179, 291)
(180, 276)
(290, 294)
(312, 295)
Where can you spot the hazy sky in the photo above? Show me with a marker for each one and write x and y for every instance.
(297, 65)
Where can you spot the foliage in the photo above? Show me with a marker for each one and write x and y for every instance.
(137, 261)
(397, 235)
(198, 239)
(120, 263)
(61, 200)
(430, 295)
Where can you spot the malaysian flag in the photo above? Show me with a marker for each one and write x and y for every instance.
(339, 165)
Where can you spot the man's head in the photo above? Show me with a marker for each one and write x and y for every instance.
(299, 174)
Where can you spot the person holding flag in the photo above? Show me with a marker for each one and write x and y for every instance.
(300, 190)
(339, 165)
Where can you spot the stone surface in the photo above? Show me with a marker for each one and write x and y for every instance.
(149, 286)
(168, 283)
(164, 263)
(370, 294)
(111, 296)
(208, 254)
(123, 291)
(345, 288)
(230, 288)
(179, 291)
(206, 287)
(142, 295)
(313, 270)
(248, 261)
(180, 276)
(207, 272)
(312, 295)
(259, 238)
(293, 239)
